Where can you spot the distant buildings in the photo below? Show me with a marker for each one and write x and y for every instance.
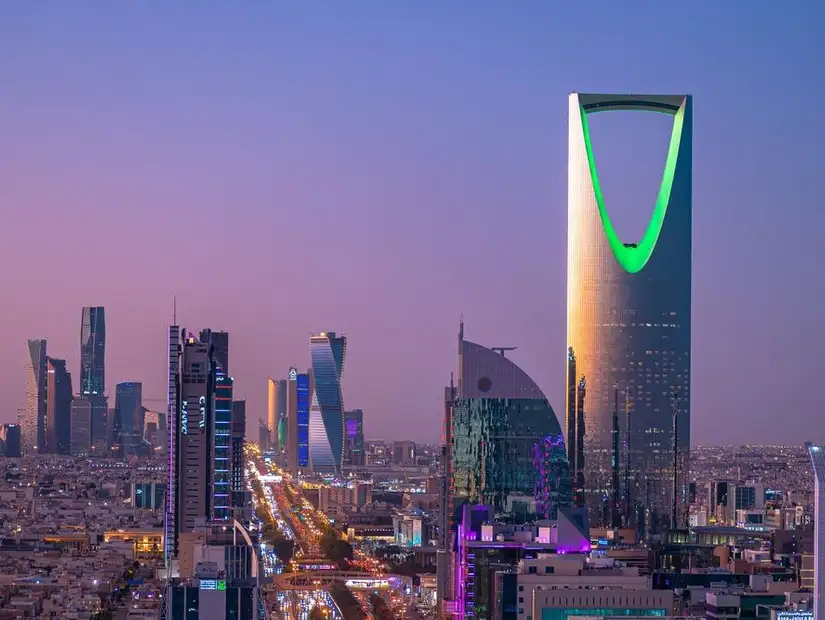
(354, 455)
(58, 407)
(127, 429)
(33, 416)
(238, 485)
(11, 444)
(81, 425)
(93, 351)
(326, 417)
(403, 453)
(628, 326)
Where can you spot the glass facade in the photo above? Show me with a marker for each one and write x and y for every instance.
(93, 351)
(58, 407)
(127, 428)
(302, 389)
(222, 448)
(33, 417)
(509, 454)
(326, 416)
(628, 328)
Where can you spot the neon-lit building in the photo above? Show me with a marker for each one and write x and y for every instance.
(817, 454)
(222, 448)
(628, 328)
(303, 391)
(326, 414)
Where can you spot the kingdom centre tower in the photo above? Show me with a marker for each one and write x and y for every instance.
(628, 332)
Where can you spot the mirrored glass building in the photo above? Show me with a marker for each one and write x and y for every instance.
(326, 414)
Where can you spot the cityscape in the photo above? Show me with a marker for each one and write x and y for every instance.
(244, 478)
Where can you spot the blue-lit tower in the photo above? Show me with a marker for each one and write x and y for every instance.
(222, 447)
(326, 415)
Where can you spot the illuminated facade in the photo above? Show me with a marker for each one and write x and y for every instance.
(628, 327)
(326, 414)
(221, 430)
(817, 454)
(128, 423)
(93, 351)
(192, 459)
(354, 449)
(32, 419)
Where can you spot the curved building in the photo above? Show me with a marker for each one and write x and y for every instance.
(93, 350)
(628, 330)
(505, 447)
(326, 413)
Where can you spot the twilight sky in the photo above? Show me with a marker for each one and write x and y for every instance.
(377, 168)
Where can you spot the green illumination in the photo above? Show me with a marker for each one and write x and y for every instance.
(634, 258)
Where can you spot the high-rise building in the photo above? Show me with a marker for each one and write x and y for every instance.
(33, 417)
(128, 424)
(58, 407)
(505, 447)
(263, 436)
(326, 416)
(238, 436)
(11, 440)
(817, 454)
(221, 466)
(93, 351)
(299, 388)
(272, 412)
(354, 427)
(628, 325)
(81, 425)
(171, 522)
(100, 424)
(220, 343)
(200, 438)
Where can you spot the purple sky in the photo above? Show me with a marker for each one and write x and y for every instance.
(378, 168)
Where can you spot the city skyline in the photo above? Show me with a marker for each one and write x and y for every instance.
(408, 157)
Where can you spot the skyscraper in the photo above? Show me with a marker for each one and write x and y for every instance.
(93, 351)
(354, 427)
(200, 437)
(628, 322)
(33, 417)
(58, 407)
(505, 447)
(817, 454)
(10, 438)
(220, 343)
(81, 425)
(221, 458)
(326, 415)
(128, 424)
(276, 411)
(238, 466)
(170, 522)
(298, 398)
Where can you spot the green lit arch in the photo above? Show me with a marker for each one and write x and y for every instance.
(633, 258)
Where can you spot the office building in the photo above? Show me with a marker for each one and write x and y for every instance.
(504, 445)
(11, 443)
(171, 522)
(354, 455)
(148, 495)
(127, 428)
(304, 386)
(263, 436)
(220, 343)
(326, 416)
(221, 431)
(628, 327)
(33, 418)
(817, 454)
(93, 351)
(403, 453)
(58, 407)
(276, 412)
(556, 587)
(238, 485)
(81, 425)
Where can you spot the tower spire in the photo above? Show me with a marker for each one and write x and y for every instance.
(174, 310)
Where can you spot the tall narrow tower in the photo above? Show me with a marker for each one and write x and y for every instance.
(628, 308)
(817, 454)
(33, 417)
(326, 416)
(93, 351)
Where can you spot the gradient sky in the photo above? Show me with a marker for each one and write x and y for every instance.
(377, 168)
